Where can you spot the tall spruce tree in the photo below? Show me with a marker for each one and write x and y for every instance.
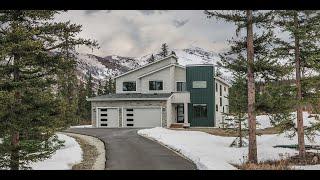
(82, 110)
(250, 55)
(67, 78)
(164, 50)
(89, 85)
(151, 59)
(302, 51)
(111, 87)
(100, 89)
(106, 89)
(30, 59)
(238, 107)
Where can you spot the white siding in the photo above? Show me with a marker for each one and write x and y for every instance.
(163, 75)
(133, 76)
(225, 101)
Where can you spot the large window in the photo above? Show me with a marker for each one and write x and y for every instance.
(155, 85)
(200, 111)
(181, 86)
(129, 86)
(199, 84)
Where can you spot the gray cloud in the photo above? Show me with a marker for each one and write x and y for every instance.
(137, 33)
(179, 23)
(150, 12)
(89, 12)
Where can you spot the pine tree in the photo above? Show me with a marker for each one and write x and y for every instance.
(164, 50)
(302, 49)
(151, 59)
(106, 86)
(251, 56)
(89, 85)
(111, 86)
(82, 110)
(67, 78)
(238, 107)
(100, 89)
(31, 56)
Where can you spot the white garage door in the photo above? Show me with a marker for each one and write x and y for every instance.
(142, 117)
(108, 117)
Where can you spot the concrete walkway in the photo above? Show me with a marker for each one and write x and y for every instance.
(126, 150)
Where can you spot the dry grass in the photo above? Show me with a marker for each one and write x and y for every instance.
(266, 165)
(90, 154)
(230, 132)
(283, 164)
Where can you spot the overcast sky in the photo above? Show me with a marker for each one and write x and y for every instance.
(137, 33)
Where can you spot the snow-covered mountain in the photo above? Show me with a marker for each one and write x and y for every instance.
(112, 65)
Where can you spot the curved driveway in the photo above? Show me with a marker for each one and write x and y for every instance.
(126, 150)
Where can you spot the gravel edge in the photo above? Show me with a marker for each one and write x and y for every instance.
(101, 159)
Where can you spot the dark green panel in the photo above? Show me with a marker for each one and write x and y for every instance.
(201, 95)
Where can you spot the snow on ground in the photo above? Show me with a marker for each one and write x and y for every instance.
(82, 126)
(62, 159)
(308, 167)
(264, 120)
(213, 152)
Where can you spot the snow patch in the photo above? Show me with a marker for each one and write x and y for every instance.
(82, 126)
(64, 158)
(264, 120)
(213, 152)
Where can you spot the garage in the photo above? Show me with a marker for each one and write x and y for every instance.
(107, 117)
(142, 117)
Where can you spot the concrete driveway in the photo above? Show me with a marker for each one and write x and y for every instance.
(126, 150)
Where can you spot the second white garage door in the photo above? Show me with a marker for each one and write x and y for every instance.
(142, 117)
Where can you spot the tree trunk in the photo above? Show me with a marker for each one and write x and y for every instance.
(302, 150)
(14, 157)
(240, 132)
(251, 92)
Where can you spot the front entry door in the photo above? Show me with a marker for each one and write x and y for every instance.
(180, 113)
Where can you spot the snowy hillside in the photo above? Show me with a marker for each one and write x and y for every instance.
(112, 65)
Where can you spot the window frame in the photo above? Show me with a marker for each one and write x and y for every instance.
(201, 114)
(156, 81)
(135, 82)
(183, 83)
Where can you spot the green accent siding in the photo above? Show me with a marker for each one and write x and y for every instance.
(201, 95)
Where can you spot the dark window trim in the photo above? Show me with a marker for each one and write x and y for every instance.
(134, 82)
(181, 86)
(130, 125)
(129, 114)
(156, 86)
(201, 113)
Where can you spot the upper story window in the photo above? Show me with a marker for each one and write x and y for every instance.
(129, 86)
(199, 84)
(216, 87)
(181, 86)
(155, 85)
(220, 90)
(225, 89)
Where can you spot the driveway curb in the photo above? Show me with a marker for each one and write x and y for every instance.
(100, 162)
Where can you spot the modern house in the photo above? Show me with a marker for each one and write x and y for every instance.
(166, 94)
